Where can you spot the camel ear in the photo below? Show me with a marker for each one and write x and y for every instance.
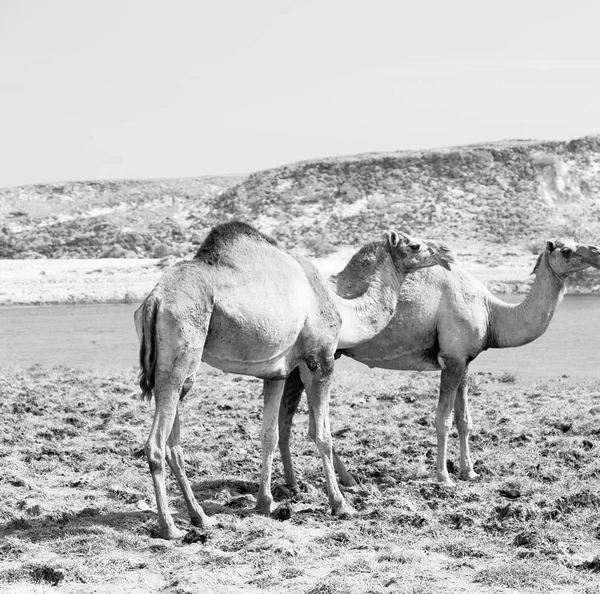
(392, 238)
(396, 238)
(550, 246)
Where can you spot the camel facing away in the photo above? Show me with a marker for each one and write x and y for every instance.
(443, 320)
(246, 306)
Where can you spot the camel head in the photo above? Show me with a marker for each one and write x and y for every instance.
(565, 256)
(411, 253)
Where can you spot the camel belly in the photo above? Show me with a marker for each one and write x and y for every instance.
(251, 345)
(398, 362)
(276, 368)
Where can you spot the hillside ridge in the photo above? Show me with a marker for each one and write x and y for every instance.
(509, 192)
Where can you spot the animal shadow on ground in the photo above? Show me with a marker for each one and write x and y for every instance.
(83, 523)
(238, 497)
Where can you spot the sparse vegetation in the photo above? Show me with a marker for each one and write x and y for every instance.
(76, 497)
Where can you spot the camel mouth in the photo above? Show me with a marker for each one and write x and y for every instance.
(590, 255)
(443, 255)
(444, 262)
(595, 263)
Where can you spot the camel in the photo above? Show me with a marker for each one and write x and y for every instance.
(246, 306)
(443, 320)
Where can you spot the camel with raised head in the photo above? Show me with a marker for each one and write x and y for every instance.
(244, 305)
(443, 320)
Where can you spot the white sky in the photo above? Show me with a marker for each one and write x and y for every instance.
(125, 89)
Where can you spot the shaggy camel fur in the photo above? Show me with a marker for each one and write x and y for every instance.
(443, 320)
(246, 306)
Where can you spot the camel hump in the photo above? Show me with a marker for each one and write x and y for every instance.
(217, 248)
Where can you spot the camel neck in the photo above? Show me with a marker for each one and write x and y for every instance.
(366, 315)
(515, 325)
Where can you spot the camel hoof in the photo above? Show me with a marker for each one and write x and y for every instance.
(446, 482)
(468, 475)
(205, 522)
(171, 533)
(264, 508)
(281, 492)
(343, 511)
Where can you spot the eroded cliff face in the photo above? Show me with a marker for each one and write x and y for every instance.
(514, 193)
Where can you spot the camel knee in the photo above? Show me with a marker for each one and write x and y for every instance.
(174, 455)
(269, 441)
(285, 431)
(322, 441)
(269, 437)
(443, 424)
(464, 423)
(155, 457)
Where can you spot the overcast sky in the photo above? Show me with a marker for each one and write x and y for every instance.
(127, 89)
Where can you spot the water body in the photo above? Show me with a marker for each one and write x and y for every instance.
(103, 338)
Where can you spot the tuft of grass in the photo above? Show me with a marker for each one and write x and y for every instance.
(507, 378)
(518, 574)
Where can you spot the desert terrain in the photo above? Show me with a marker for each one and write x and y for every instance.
(77, 509)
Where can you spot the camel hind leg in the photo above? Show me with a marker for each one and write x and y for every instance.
(289, 405)
(175, 459)
(178, 358)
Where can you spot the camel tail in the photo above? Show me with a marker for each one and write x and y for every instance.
(145, 323)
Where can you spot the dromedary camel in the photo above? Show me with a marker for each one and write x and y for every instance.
(443, 320)
(246, 306)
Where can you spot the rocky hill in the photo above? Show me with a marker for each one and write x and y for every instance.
(113, 219)
(512, 193)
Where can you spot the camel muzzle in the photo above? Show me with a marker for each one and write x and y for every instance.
(590, 255)
(445, 259)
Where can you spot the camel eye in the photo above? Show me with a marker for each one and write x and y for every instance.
(415, 247)
(566, 251)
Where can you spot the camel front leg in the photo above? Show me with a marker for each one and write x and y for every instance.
(164, 417)
(290, 400)
(452, 374)
(272, 392)
(175, 459)
(464, 424)
(317, 381)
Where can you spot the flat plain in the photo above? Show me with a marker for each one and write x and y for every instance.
(76, 499)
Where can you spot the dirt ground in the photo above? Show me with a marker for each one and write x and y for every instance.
(77, 506)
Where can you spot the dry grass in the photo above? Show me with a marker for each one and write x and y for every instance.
(76, 497)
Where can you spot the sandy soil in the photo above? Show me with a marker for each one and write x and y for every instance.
(32, 282)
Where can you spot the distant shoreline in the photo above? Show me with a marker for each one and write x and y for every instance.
(88, 281)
